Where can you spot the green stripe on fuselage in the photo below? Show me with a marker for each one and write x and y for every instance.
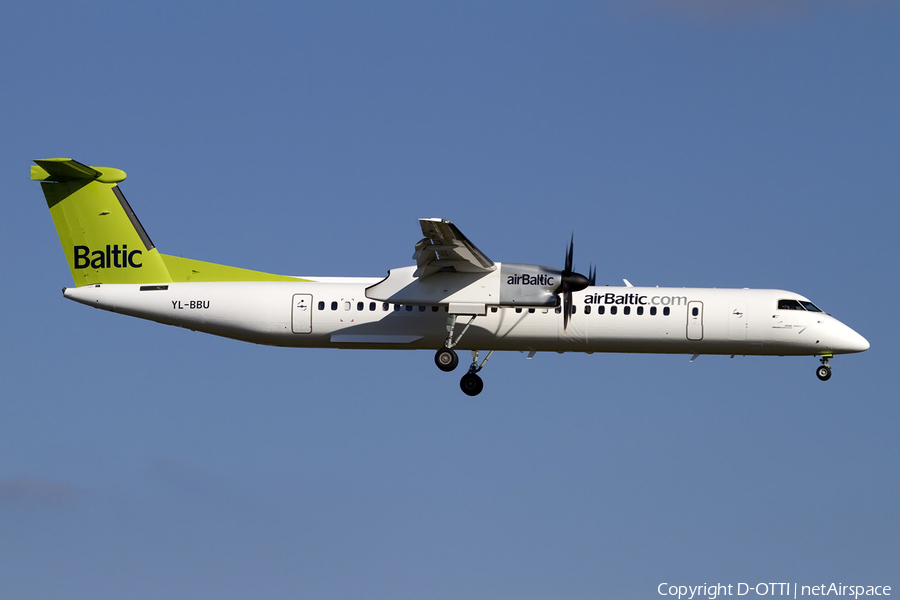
(186, 269)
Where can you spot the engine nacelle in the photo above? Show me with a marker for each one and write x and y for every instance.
(508, 284)
(528, 285)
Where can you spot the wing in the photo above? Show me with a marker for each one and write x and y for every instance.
(445, 249)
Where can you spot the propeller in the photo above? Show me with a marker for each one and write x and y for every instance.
(572, 282)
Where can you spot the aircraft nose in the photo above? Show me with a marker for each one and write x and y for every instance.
(853, 342)
(861, 344)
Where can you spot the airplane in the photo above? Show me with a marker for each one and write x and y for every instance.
(453, 298)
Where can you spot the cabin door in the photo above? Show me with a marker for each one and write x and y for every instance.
(695, 320)
(301, 313)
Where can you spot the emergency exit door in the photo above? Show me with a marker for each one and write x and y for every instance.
(695, 320)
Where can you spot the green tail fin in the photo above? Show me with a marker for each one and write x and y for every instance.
(102, 238)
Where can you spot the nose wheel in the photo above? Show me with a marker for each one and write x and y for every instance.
(824, 371)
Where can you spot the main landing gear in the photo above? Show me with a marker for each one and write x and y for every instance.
(471, 384)
(446, 359)
(824, 371)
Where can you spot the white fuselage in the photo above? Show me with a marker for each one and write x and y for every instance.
(336, 313)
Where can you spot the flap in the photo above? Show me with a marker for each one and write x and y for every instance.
(445, 249)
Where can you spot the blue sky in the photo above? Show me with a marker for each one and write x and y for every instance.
(692, 143)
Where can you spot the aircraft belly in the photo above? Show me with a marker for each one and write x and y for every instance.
(394, 331)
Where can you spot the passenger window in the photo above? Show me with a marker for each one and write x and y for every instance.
(385, 305)
(666, 311)
(396, 307)
(371, 306)
(409, 308)
(601, 309)
(652, 311)
(321, 305)
(531, 311)
(557, 310)
(640, 310)
(434, 308)
(346, 306)
(422, 309)
(518, 309)
(334, 306)
(574, 308)
(613, 310)
(493, 309)
(626, 310)
(360, 306)
(695, 311)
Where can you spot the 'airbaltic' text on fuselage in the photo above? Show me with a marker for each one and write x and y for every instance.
(611, 298)
(111, 258)
(529, 280)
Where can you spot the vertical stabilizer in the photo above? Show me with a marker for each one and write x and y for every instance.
(101, 237)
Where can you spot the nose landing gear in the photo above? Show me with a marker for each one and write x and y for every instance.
(824, 371)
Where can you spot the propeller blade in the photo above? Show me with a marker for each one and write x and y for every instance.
(572, 282)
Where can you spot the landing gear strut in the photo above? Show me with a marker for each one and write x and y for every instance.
(446, 358)
(471, 384)
(824, 371)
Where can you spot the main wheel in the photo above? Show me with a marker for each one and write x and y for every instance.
(823, 373)
(446, 359)
(471, 384)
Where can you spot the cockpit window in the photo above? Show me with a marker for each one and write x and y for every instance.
(810, 306)
(798, 305)
(789, 305)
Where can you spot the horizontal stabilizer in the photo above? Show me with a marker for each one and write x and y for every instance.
(66, 169)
